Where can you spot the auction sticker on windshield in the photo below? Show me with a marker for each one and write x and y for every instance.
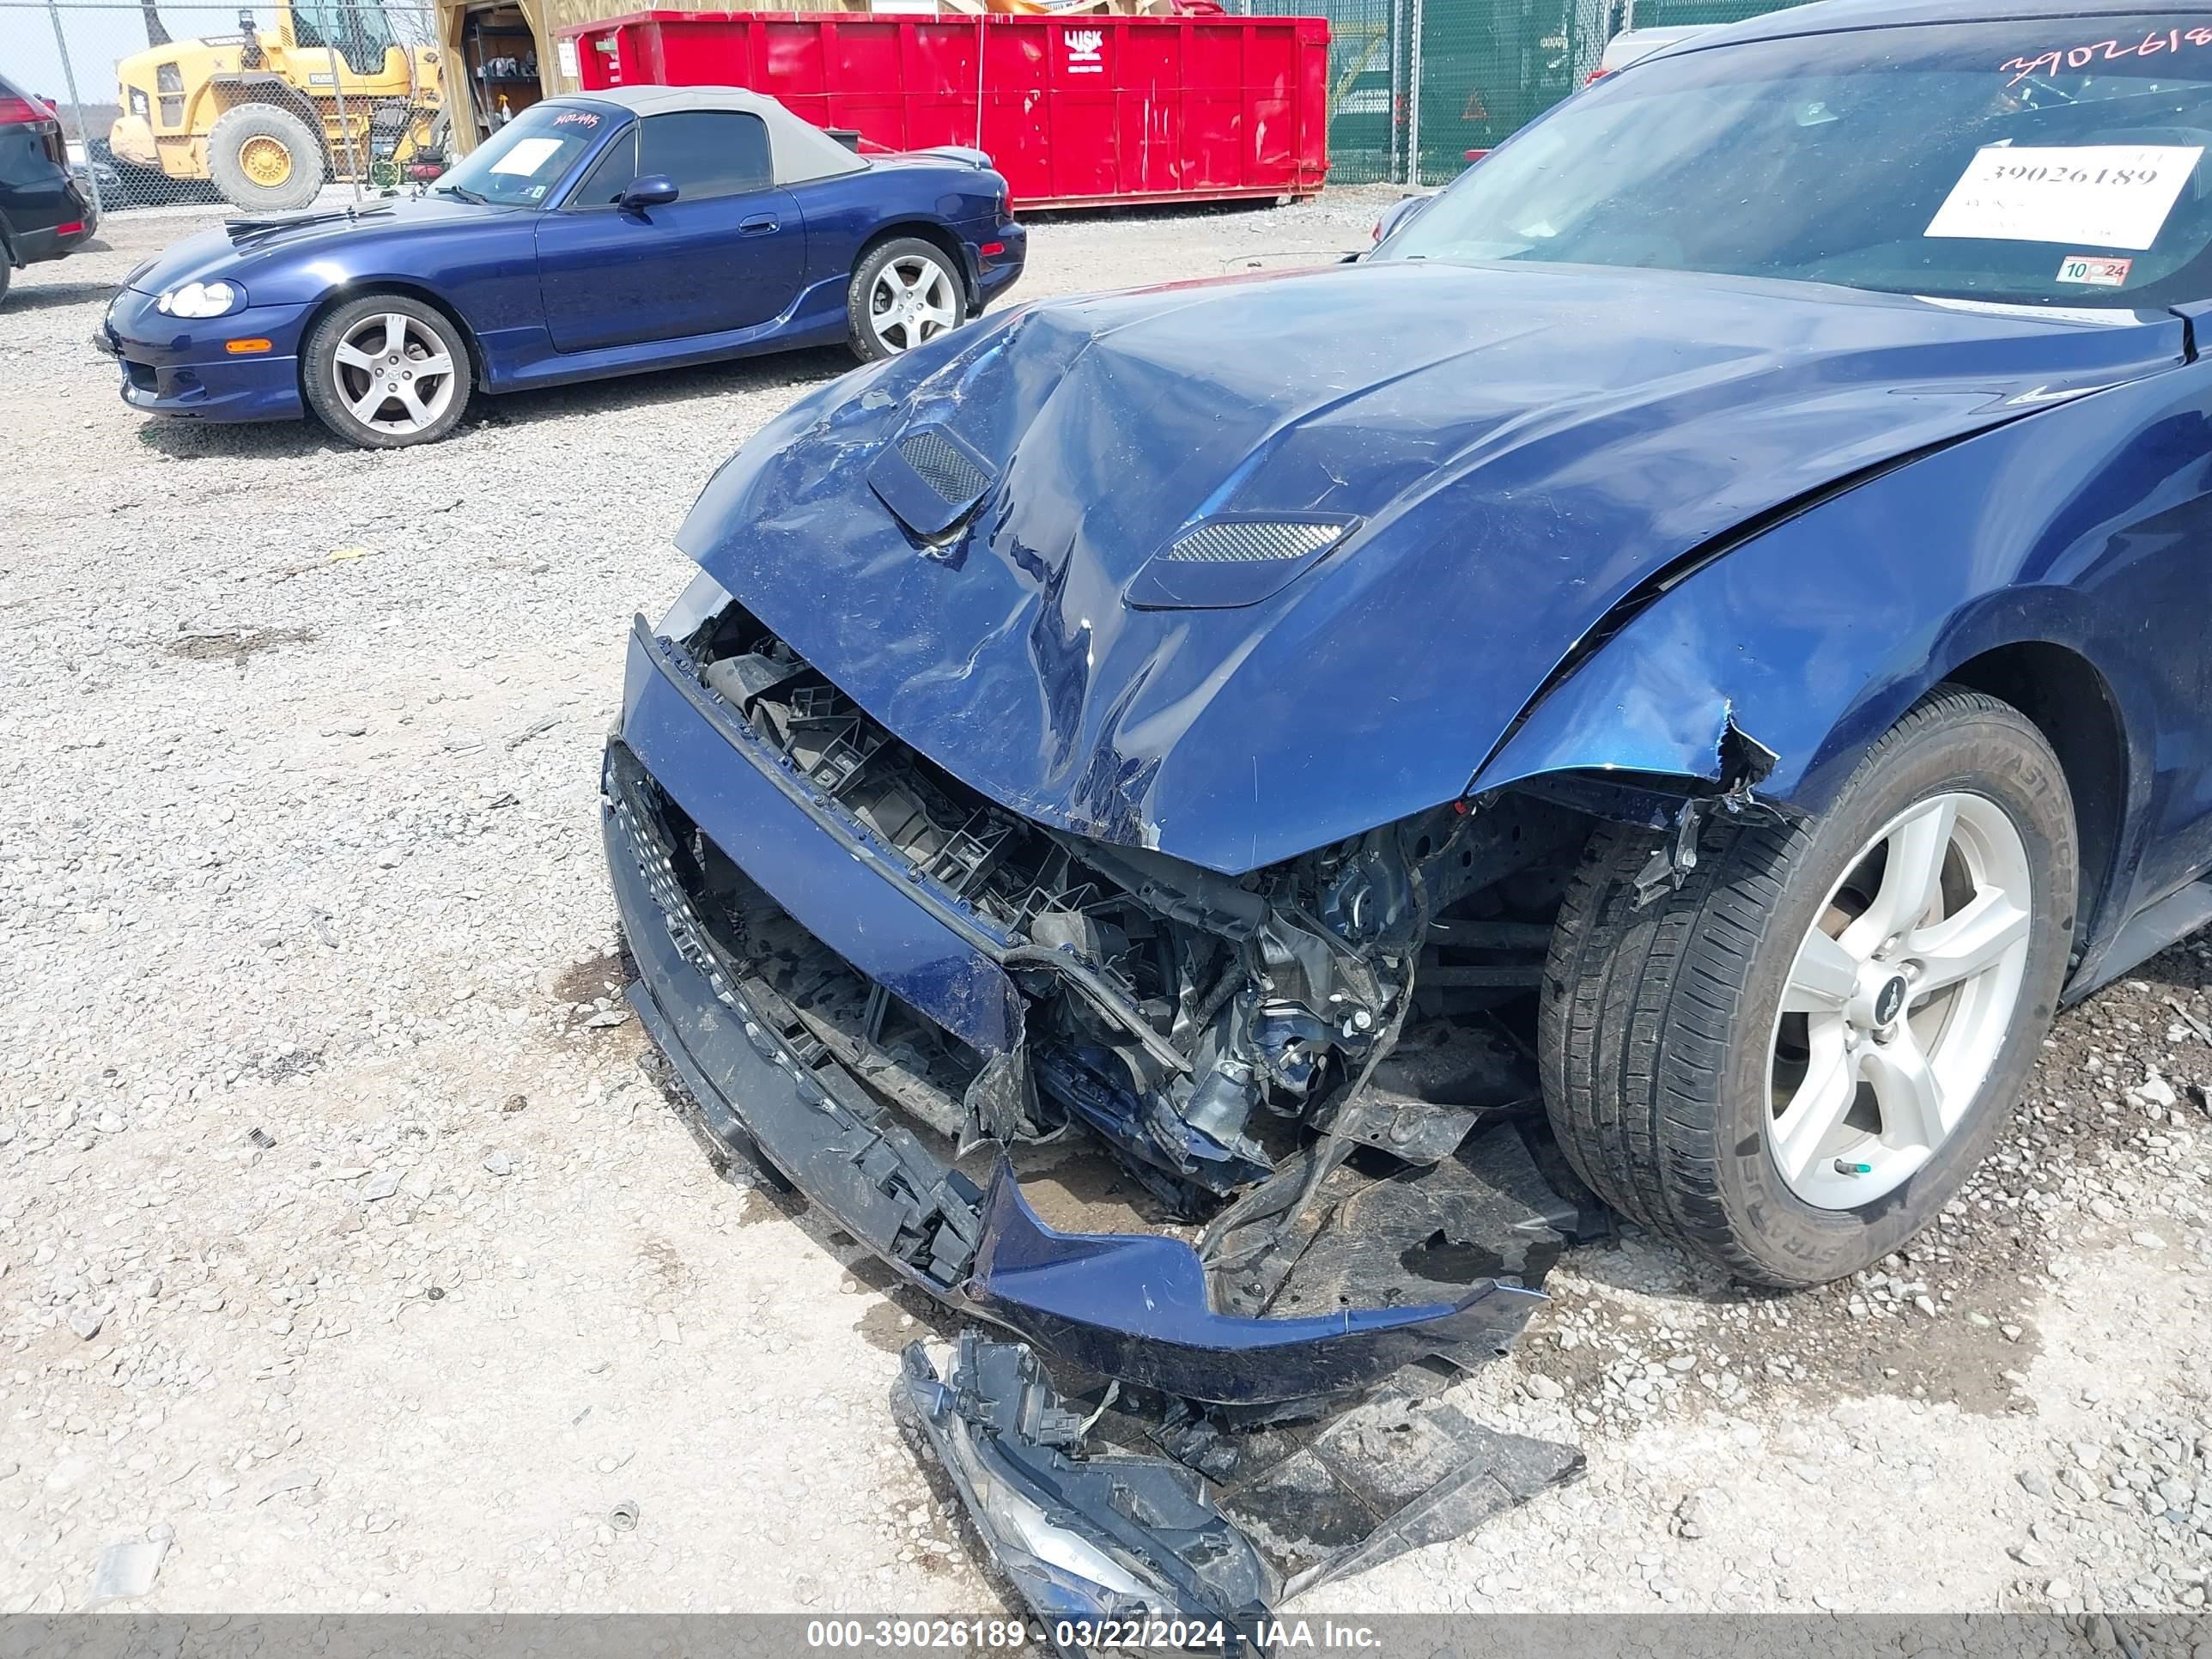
(529, 154)
(2093, 195)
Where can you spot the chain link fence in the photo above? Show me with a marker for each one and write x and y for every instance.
(265, 107)
(1414, 85)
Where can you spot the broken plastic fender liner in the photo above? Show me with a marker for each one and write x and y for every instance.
(1135, 1306)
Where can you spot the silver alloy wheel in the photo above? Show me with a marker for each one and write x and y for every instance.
(1899, 1001)
(911, 299)
(393, 374)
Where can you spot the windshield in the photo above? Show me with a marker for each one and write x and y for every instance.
(519, 165)
(2049, 161)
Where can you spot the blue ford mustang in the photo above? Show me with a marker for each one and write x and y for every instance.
(591, 236)
(1690, 650)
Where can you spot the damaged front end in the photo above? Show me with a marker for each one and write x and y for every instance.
(876, 981)
(884, 988)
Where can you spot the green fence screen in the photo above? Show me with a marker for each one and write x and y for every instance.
(1415, 85)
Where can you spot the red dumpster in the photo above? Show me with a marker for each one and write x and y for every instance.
(1076, 111)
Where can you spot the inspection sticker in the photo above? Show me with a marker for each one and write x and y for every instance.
(2097, 195)
(2095, 271)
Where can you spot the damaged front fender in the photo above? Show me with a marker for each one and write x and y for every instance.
(1815, 635)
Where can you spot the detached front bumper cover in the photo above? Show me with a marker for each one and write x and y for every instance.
(1131, 1306)
(1122, 1538)
(1094, 1541)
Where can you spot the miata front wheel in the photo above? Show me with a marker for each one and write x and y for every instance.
(384, 372)
(1791, 1061)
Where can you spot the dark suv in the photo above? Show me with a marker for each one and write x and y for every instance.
(45, 211)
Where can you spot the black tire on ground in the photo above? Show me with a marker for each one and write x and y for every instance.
(245, 140)
(910, 251)
(324, 378)
(1656, 1024)
(7, 275)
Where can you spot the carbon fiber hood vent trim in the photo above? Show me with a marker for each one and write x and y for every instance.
(930, 479)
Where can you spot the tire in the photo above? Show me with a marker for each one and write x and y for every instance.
(411, 354)
(1673, 1076)
(921, 270)
(7, 275)
(265, 159)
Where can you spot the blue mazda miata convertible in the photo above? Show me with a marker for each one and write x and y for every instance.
(1693, 648)
(592, 235)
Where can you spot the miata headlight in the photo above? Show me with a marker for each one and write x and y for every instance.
(201, 300)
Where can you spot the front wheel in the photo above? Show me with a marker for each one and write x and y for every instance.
(386, 372)
(1790, 1062)
(904, 292)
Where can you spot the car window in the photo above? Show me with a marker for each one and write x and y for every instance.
(613, 173)
(519, 165)
(707, 153)
(2041, 161)
(359, 31)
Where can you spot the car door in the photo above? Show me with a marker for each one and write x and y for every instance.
(725, 254)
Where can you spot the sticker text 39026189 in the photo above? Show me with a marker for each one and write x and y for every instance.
(2094, 196)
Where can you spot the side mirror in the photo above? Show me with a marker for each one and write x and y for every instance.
(654, 189)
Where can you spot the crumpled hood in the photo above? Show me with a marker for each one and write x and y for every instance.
(1522, 444)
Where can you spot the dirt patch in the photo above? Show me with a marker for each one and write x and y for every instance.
(588, 981)
(236, 645)
(887, 1326)
(755, 1207)
(665, 1266)
(1078, 1188)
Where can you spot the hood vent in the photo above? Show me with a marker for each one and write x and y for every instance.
(1228, 563)
(1241, 543)
(942, 467)
(930, 479)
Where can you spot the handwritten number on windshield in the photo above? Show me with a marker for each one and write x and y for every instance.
(2105, 51)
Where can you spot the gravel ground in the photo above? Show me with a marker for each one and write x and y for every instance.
(348, 1259)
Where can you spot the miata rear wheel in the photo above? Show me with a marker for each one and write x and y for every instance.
(904, 292)
(1789, 1063)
